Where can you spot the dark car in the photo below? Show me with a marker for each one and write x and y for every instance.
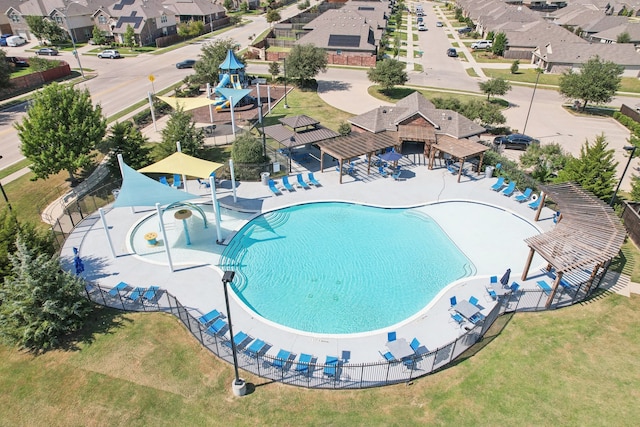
(516, 141)
(465, 30)
(3, 39)
(452, 53)
(47, 51)
(187, 63)
(17, 62)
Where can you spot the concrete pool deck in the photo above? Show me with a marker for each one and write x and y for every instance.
(198, 285)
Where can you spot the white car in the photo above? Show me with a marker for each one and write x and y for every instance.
(422, 27)
(482, 44)
(109, 53)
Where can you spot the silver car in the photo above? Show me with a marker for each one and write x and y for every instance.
(109, 53)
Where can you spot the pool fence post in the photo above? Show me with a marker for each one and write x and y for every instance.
(209, 93)
(216, 206)
(239, 386)
(233, 180)
(269, 98)
(184, 177)
(233, 119)
(164, 235)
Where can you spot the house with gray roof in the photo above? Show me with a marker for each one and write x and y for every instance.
(559, 57)
(148, 18)
(415, 120)
(195, 10)
(611, 35)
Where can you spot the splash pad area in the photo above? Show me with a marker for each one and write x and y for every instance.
(200, 234)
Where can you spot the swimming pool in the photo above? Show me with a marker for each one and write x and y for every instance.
(339, 268)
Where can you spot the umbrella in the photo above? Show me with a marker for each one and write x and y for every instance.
(77, 261)
(391, 156)
(505, 277)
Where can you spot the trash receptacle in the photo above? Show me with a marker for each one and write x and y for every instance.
(265, 178)
(488, 171)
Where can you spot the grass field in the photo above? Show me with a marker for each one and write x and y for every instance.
(572, 367)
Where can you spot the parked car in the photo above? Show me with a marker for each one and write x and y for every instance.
(17, 62)
(482, 44)
(109, 53)
(14, 41)
(422, 27)
(419, 19)
(3, 39)
(452, 53)
(516, 141)
(187, 63)
(47, 51)
(439, 24)
(465, 30)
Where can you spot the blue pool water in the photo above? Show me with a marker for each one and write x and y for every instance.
(339, 268)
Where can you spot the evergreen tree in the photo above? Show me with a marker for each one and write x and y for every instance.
(635, 188)
(274, 69)
(5, 71)
(60, 130)
(127, 140)
(499, 44)
(40, 303)
(594, 170)
(129, 38)
(247, 149)
(98, 37)
(180, 128)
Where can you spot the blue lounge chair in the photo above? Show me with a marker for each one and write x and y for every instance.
(239, 340)
(391, 336)
(301, 182)
(388, 356)
(205, 319)
(312, 180)
(281, 360)
(499, 184)
(524, 196)
(535, 203)
(415, 345)
(514, 287)
(544, 286)
(304, 362)
(453, 301)
(204, 183)
(473, 300)
(396, 176)
(136, 294)
(492, 294)
(177, 181)
(510, 189)
(382, 172)
(273, 188)
(287, 184)
(151, 294)
(218, 326)
(163, 180)
(408, 362)
(256, 347)
(117, 288)
(458, 318)
(331, 366)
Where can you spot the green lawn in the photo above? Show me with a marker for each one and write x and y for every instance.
(575, 366)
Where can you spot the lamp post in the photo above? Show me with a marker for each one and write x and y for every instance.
(284, 66)
(535, 86)
(238, 386)
(631, 150)
(6, 199)
(73, 41)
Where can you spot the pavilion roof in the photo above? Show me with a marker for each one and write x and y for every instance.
(459, 148)
(357, 144)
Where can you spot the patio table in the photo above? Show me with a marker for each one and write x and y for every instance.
(467, 309)
(400, 348)
(500, 291)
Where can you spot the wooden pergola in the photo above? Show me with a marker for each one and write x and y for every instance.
(355, 145)
(588, 236)
(460, 149)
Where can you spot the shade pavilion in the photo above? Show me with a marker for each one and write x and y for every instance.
(460, 149)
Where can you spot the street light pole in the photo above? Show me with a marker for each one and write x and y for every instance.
(631, 150)
(284, 65)
(6, 199)
(238, 386)
(73, 42)
(538, 72)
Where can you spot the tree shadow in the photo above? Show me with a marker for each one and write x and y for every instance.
(103, 320)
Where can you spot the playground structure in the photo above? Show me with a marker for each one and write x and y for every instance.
(232, 78)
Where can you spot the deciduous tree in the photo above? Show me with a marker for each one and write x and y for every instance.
(545, 160)
(129, 37)
(497, 86)
(274, 69)
(98, 37)
(247, 149)
(5, 71)
(207, 68)
(60, 130)
(305, 62)
(388, 73)
(273, 16)
(597, 82)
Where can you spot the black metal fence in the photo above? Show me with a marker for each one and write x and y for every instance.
(314, 374)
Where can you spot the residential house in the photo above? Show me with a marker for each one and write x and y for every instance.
(195, 10)
(148, 18)
(559, 57)
(611, 35)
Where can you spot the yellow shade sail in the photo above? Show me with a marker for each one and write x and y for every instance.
(186, 103)
(183, 164)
